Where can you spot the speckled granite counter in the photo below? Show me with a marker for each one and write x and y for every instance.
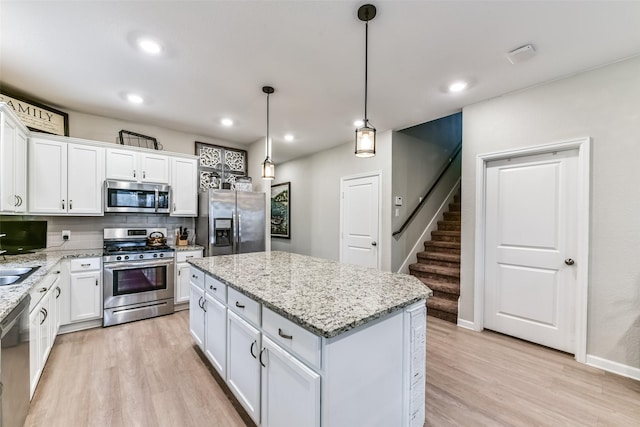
(187, 248)
(10, 296)
(324, 297)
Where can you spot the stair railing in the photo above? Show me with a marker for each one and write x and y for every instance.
(415, 211)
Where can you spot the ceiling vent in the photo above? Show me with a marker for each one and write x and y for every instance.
(521, 54)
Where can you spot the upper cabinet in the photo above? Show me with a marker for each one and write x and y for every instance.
(136, 166)
(65, 178)
(184, 186)
(13, 163)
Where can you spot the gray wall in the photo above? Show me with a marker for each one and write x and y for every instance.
(419, 154)
(605, 105)
(315, 198)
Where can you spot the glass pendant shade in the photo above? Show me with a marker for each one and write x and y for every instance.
(268, 169)
(366, 141)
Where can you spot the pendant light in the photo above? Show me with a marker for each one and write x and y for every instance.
(366, 135)
(268, 168)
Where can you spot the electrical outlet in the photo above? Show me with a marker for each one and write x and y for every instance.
(66, 235)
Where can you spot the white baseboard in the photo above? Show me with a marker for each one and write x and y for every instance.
(467, 324)
(614, 367)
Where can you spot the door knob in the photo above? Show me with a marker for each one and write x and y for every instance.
(374, 244)
(569, 261)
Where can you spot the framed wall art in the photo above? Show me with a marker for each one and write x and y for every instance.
(37, 117)
(219, 167)
(281, 210)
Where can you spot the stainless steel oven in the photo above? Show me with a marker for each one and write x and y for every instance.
(138, 278)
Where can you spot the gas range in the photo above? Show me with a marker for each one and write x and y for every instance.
(122, 244)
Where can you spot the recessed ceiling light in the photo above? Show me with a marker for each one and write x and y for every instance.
(288, 137)
(458, 86)
(135, 99)
(226, 122)
(358, 123)
(149, 46)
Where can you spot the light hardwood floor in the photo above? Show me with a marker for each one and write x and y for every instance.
(148, 374)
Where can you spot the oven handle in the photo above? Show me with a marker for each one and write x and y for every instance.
(135, 264)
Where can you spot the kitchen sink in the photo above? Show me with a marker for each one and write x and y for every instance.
(15, 275)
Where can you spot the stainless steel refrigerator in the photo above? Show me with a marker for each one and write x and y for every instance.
(230, 222)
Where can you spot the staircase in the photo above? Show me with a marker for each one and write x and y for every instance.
(438, 266)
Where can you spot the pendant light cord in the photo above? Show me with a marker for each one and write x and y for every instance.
(366, 67)
(268, 142)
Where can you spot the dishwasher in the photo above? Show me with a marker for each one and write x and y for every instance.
(14, 366)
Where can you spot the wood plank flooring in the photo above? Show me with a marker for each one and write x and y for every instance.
(149, 374)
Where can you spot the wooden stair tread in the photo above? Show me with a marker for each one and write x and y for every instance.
(435, 269)
(442, 305)
(440, 244)
(441, 256)
(440, 286)
(455, 233)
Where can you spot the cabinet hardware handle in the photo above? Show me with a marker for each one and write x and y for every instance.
(283, 335)
(260, 358)
(144, 174)
(251, 349)
(204, 305)
(44, 317)
(213, 289)
(62, 203)
(179, 273)
(85, 265)
(174, 207)
(70, 204)
(59, 292)
(239, 305)
(200, 303)
(43, 290)
(46, 314)
(194, 276)
(17, 203)
(96, 282)
(20, 197)
(134, 173)
(56, 272)
(189, 256)
(569, 261)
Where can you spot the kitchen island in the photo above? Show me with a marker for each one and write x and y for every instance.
(307, 341)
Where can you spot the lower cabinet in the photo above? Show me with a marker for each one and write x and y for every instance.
(215, 329)
(196, 314)
(182, 278)
(85, 290)
(243, 368)
(290, 390)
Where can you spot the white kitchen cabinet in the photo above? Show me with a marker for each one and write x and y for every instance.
(290, 390)
(196, 314)
(42, 325)
(65, 178)
(130, 165)
(215, 342)
(85, 289)
(243, 367)
(182, 272)
(13, 163)
(184, 186)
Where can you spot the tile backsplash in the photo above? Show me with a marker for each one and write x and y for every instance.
(86, 232)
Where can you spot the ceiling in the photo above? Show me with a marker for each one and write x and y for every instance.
(81, 56)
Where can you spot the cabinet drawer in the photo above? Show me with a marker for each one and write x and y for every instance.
(197, 277)
(216, 288)
(244, 306)
(183, 256)
(85, 264)
(291, 336)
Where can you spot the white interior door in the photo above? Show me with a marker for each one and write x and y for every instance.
(530, 281)
(360, 221)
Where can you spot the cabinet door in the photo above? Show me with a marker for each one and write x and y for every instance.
(47, 176)
(8, 200)
(184, 187)
(215, 343)
(243, 368)
(290, 390)
(46, 340)
(35, 317)
(20, 175)
(196, 315)
(182, 283)
(85, 295)
(121, 164)
(154, 168)
(85, 172)
(56, 304)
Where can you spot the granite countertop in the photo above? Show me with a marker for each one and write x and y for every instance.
(10, 296)
(324, 297)
(187, 248)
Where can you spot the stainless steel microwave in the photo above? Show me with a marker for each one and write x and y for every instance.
(124, 196)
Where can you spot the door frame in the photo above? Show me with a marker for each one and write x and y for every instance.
(583, 145)
(381, 240)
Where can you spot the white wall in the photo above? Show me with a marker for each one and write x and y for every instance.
(105, 129)
(605, 105)
(315, 198)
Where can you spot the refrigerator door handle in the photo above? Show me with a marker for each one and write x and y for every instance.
(234, 245)
(239, 250)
